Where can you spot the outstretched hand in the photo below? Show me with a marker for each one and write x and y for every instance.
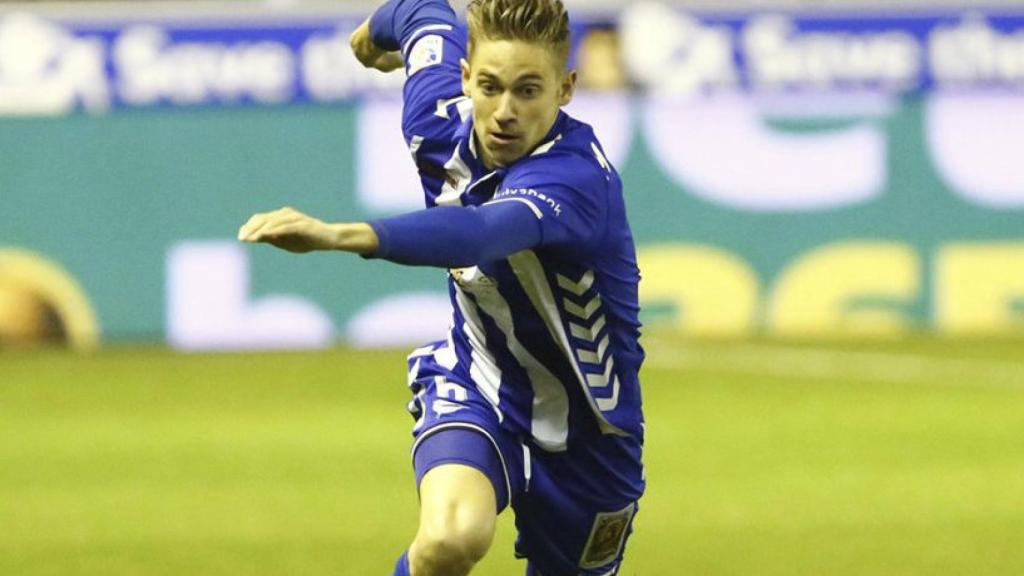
(291, 230)
(369, 54)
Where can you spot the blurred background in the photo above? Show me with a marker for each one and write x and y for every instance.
(828, 202)
(791, 171)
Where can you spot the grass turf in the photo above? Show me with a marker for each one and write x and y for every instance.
(766, 458)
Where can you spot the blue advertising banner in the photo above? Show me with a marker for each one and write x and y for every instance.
(52, 68)
(679, 52)
(49, 67)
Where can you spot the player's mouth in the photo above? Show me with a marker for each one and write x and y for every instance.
(503, 138)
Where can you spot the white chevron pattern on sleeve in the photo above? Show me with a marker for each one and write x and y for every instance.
(584, 312)
(602, 380)
(578, 288)
(594, 357)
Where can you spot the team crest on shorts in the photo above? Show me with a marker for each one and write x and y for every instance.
(606, 537)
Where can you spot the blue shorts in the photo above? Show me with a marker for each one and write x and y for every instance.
(574, 509)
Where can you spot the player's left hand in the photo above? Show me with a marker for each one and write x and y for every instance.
(289, 230)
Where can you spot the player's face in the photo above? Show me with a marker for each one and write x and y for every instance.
(517, 89)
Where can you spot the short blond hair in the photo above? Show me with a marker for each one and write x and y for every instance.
(535, 21)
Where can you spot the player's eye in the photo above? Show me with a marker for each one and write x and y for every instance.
(488, 88)
(529, 91)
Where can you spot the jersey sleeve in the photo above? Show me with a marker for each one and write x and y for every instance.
(567, 194)
(433, 105)
(455, 237)
(393, 22)
(432, 44)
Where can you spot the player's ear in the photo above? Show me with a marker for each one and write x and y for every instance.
(568, 88)
(464, 67)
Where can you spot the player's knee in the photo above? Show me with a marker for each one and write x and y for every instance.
(457, 521)
(452, 542)
(447, 557)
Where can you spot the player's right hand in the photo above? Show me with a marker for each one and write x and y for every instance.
(369, 54)
(291, 230)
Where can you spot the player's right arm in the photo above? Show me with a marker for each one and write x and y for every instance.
(426, 36)
(370, 54)
(452, 237)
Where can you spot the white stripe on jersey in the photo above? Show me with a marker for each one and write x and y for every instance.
(530, 272)
(459, 171)
(415, 143)
(484, 368)
(419, 32)
(421, 351)
(549, 425)
(463, 105)
(414, 373)
(446, 357)
(546, 147)
(536, 211)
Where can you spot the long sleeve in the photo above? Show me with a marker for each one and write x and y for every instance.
(455, 237)
(432, 46)
(393, 22)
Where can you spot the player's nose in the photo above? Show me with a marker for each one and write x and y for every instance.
(505, 111)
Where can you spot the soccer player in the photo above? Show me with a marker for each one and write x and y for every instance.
(533, 400)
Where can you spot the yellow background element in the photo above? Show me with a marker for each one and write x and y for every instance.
(843, 290)
(713, 292)
(976, 288)
(59, 288)
(814, 296)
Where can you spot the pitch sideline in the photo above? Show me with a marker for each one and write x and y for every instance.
(822, 363)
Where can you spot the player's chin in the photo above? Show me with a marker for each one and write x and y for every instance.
(507, 155)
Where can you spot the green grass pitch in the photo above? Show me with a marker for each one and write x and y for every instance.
(763, 458)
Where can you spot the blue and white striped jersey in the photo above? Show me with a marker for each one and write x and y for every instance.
(549, 335)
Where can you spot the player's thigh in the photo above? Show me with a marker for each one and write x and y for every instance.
(563, 537)
(576, 514)
(456, 424)
(457, 504)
